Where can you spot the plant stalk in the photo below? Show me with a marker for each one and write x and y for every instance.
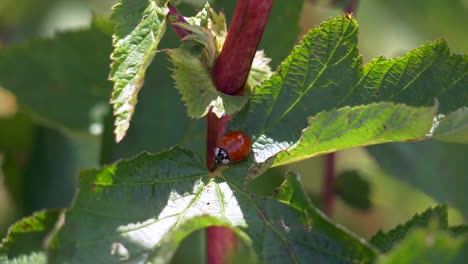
(233, 64)
(230, 74)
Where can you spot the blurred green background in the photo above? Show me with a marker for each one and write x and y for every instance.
(29, 151)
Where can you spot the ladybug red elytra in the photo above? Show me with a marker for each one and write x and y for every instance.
(233, 147)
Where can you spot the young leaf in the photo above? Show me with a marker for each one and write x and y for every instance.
(260, 70)
(139, 26)
(60, 80)
(141, 209)
(385, 241)
(193, 63)
(325, 72)
(428, 246)
(198, 91)
(25, 242)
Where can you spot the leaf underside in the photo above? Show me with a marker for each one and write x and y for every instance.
(139, 26)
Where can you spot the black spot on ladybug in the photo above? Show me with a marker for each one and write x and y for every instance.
(221, 156)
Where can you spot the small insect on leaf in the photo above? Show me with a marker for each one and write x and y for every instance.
(235, 146)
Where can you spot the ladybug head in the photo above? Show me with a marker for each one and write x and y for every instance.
(221, 156)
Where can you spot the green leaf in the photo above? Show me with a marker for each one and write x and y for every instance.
(436, 168)
(428, 246)
(60, 80)
(385, 241)
(459, 230)
(49, 178)
(207, 35)
(417, 78)
(26, 239)
(139, 26)
(198, 91)
(292, 192)
(139, 210)
(325, 72)
(153, 128)
(260, 70)
(353, 190)
(40, 164)
(453, 127)
(357, 126)
(16, 134)
(193, 63)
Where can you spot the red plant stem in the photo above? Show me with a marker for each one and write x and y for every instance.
(230, 73)
(328, 194)
(222, 246)
(233, 64)
(232, 67)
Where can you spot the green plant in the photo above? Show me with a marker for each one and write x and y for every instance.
(321, 99)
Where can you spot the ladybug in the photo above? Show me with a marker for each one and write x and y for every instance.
(233, 147)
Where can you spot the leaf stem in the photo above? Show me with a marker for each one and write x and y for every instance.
(328, 194)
